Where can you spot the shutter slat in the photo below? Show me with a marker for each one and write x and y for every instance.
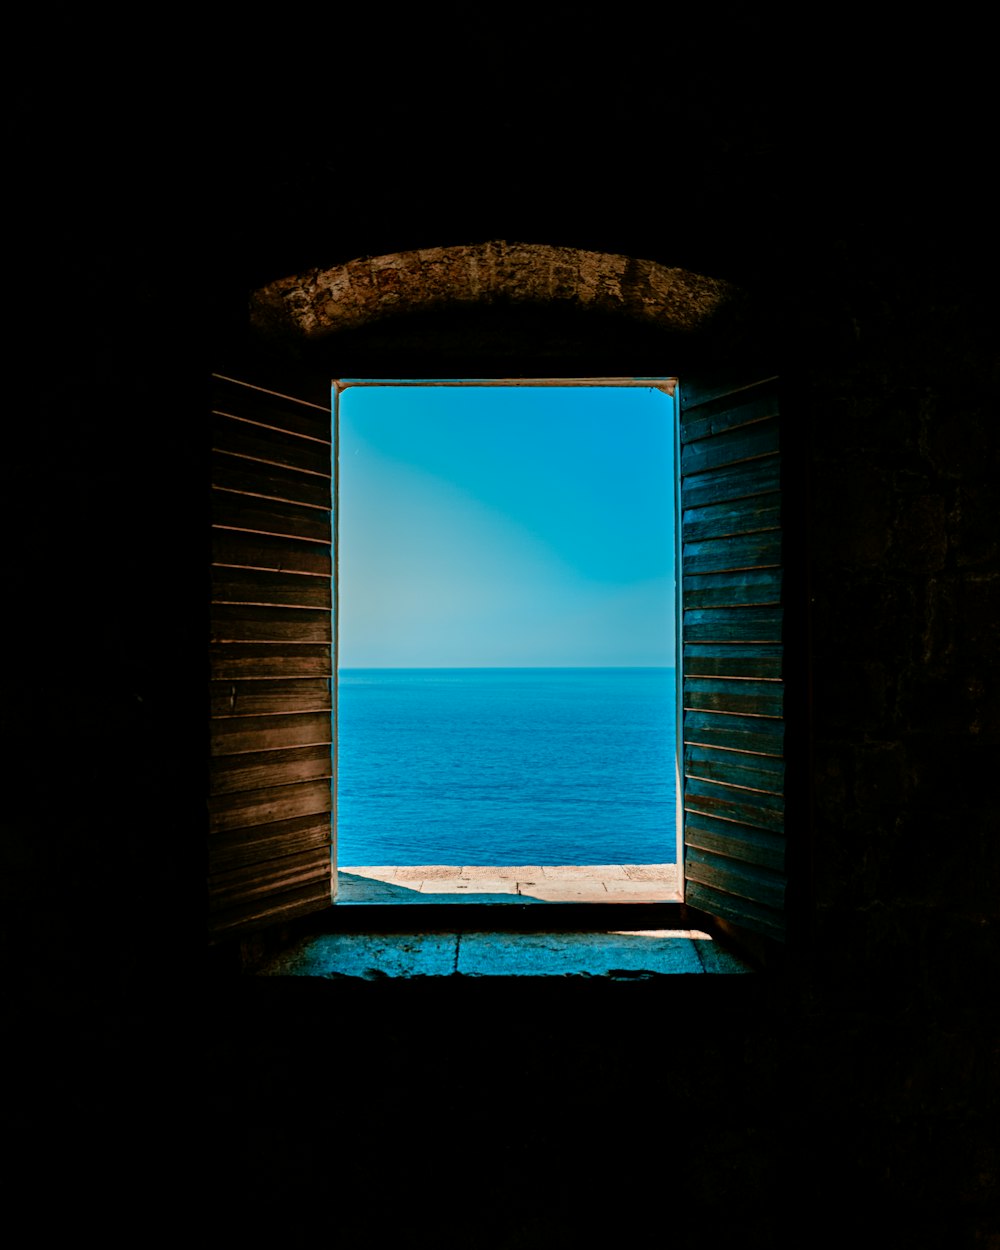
(271, 655)
(732, 447)
(234, 622)
(749, 624)
(732, 634)
(737, 733)
(758, 772)
(259, 770)
(762, 660)
(752, 515)
(756, 477)
(269, 805)
(741, 911)
(229, 849)
(747, 807)
(236, 660)
(237, 549)
(269, 448)
(270, 589)
(266, 698)
(717, 555)
(233, 735)
(724, 837)
(713, 417)
(742, 696)
(753, 587)
(234, 474)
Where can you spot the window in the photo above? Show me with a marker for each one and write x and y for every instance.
(506, 582)
(273, 655)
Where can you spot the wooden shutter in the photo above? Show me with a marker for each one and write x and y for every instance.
(733, 654)
(272, 663)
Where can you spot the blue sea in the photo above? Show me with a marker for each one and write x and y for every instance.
(506, 766)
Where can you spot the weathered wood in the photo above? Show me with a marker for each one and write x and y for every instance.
(275, 906)
(754, 514)
(251, 881)
(280, 412)
(273, 447)
(747, 807)
(270, 697)
(266, 807)
(733, 447)
(231, 849)
(715, 394)
(240, 549)
(719, 555)
(702, 421)
(741, 911)
(735, 877)
(231, 735)
(283, 520)
(250, 623)
(750, 624)
(737, 733)
(259, 769)
(270, 774)
(248, 477)
(755, 477)
(742, 696)
(734, 659)
(724, 837)
(270, 589)
(735, 768)
(741, 586)
(235, 660)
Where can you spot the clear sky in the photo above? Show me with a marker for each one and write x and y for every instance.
(505, 526)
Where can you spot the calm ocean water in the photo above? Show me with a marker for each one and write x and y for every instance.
(516, 766)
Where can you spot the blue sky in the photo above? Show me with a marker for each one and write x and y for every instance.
(505, 526)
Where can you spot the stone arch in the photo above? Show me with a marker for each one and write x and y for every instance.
(321, 302)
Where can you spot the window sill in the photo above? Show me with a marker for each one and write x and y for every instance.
(623, 955)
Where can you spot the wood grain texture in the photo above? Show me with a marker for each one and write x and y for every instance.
(269, 447)
(251, 623)
(746, 551)
(748, 624)
(750, 587)
(746, 807)
(232, 849)
(262, 516)
(742, 696)
(704, 418)
(737, 733)
(755, 477)
(722, 872)
(260, 660)
(741, 911)
(255, 586)
(268, 806)
(232, 735)
(732, 447)
(735, 768)
(760, 660)
(271, 659)
(751, 515)
(245, 477)
(269, 697)
(258, 770)
(724, 837)
(240, 549)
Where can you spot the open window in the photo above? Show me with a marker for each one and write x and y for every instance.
(273, 656)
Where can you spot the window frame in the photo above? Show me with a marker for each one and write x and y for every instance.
(594, 916)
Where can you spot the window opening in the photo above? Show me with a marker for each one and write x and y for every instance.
(506, 641)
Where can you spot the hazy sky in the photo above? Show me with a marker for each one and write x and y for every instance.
(505, 526)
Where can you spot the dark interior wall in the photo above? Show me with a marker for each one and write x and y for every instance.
(147, 205)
